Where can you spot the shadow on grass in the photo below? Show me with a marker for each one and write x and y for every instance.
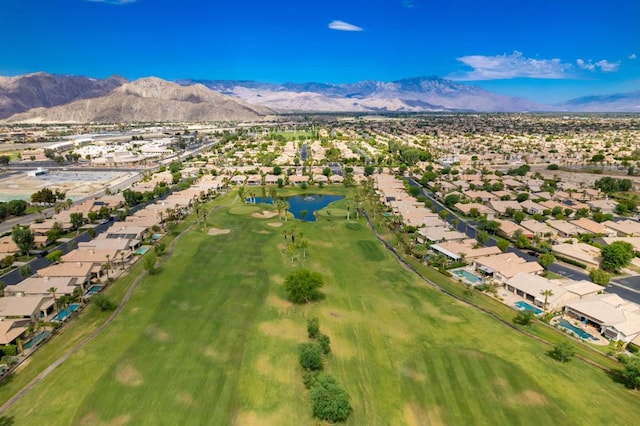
(6, 420)
(617, 377)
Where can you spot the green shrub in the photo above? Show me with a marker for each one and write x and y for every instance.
(313, 327)
(329, 401)
(523, 317)
(562, 352)
(325, 343)
(9, 350)
(303, 286)
(309, 378)
(103, 302)
(310, 356)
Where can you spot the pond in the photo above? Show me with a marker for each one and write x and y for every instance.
(307, 202)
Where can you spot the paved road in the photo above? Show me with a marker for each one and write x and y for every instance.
(468, 228)
(628, 288)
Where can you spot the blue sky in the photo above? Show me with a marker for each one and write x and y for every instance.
(546, 50)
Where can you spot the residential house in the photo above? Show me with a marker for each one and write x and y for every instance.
(531, 207)
(40, 286)
(592, 227)
(465, 209)
(580, 252)
(531, 286)
(624, 228)
(509, 228)
(25, 307)
(616, 318)
(538, 229)
(463, 250)
(12, 329)
(564, 228)
(82, 271)
(501, 207)
(503, 266)
(436, 234)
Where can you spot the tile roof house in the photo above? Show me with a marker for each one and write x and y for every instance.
(616, 318)
(581, 252)
(505, 265)
(531, 286)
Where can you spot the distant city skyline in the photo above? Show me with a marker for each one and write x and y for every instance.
(547, 51)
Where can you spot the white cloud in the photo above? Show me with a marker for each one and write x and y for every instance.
(606, 66)
(113, 1)
(585, 65)
(409, 4)
(516, 65)
(632, 56)
(603, 65)
(344, 26)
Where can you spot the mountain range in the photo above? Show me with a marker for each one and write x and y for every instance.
(44, 97)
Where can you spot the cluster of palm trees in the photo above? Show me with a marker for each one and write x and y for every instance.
(295, 241)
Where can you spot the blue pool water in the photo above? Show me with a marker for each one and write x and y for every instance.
(36, 339)
(309, 203)
(94, 289)
(156, 237)
(142, 250)
(64, 313)
(473, 279)
(524, 306)
(575, 330)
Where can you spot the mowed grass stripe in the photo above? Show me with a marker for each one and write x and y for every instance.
(206, 311)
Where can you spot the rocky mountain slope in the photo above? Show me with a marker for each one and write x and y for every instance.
(22, 93)
(149, 99)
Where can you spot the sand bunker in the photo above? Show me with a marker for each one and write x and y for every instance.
(266, 214)
(275, 224)
(216, 231)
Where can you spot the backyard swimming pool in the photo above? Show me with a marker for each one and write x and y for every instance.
(142, 250)
(36, 339)
(94, 289)
(463, 273)
(64, 313)
(524, 306)
(563, 323)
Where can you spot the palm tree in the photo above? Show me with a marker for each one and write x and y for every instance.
(53, 290)
(303, 245)
(546, 294)
(122, 259)
(291, 249)
(273, 193)
(241, 191)
(108, 266)
(280, 206)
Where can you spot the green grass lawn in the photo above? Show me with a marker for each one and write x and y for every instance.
(210, 339)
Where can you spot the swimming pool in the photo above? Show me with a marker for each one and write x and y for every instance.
(142, 250)
(524, 306)
(64, 313)
(563, 323)
(36, 339)
(156, 237)
(463, 273)
(94, 289)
